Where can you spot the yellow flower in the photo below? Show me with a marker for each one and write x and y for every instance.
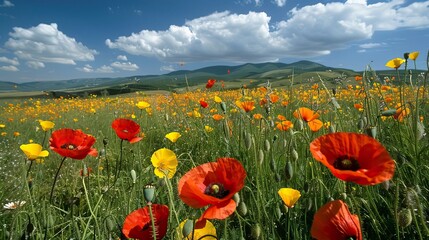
(16, 134)
(413, 55)
(46, 125)
(395, 63)
(165, 162)
(173, 136)
(208, 128)
(289, 196)
(207, 232)
(33, 151)
(2, 126)
(143, 104)
(133, 116)
(217, 99)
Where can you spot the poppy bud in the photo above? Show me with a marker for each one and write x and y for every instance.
(110, 225)
(334, 91)
(332, 128)
(188, 227)
(104, 141)
(242, 209)
(236, 198)
(223, 107)
(133, 175)
(273, 165)
(288, 171)
(385, 185)
(278, 212)
(256, 231)
(405, 217)
(372, 131)
(360, 124)
(261, 157)
(344, 196)
(406, 56)
(267, 110)
(294, 154)
(267, 145)
(247, 140)
(335, 103)
(167, 117)
(149, 193)
(420, 131)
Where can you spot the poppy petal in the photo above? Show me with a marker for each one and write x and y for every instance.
(220, 211)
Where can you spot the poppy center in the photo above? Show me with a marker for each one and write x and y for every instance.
(216, 190)
(346, 163)
(125, 131)
(69, 146)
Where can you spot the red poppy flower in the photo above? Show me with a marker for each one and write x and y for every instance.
(354, 157)
(127, 129)
(334, 221)
(213, 184)
(203, 104)
(72, 143)
(210, 83)
(138, 225)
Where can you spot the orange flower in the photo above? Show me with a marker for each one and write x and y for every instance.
(401, 113)
(214, 184)
(358, 78)
(257, 116)
(305, 114)
(358, 106)
(281, 117)
(274, 98)
(138, 225)
(354, 157)
(284, 125)
(310, 117)
(217, 117)
(210, 83)
(334, 221)
(246, 106)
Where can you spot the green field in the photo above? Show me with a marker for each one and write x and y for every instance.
(92, 197)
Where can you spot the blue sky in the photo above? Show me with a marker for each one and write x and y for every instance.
(54, 40)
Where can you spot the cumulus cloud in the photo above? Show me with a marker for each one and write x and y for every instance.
(280, 3)
(45, 43)
(7, 3)
(35, 64)
(10, 68)
(125, 66)
(89, 69)
(312, 30)
(122, 58)
(13, 61)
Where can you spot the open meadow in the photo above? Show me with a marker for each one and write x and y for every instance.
(343, 161)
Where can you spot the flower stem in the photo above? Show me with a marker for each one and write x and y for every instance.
(119, 162)
(152, 220)
(171, 198)
(55, 180)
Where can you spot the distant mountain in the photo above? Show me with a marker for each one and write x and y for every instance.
(173, 80)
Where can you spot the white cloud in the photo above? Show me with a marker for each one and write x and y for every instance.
(89, 69)
(13, 61)
(45, 43)
(126, 66)
(312, 30)
(280, 3)
(371, 45)
(35, 64)
(7, 3)
(168, 68)
(10, 68)
(122, 58)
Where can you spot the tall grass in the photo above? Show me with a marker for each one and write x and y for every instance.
(95, 206)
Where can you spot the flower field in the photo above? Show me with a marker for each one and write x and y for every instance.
(321, 161)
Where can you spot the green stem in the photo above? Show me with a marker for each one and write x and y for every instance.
(171, 198)
(152, 220)
(55, 180)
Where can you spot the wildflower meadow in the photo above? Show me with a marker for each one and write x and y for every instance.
(345, 160)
